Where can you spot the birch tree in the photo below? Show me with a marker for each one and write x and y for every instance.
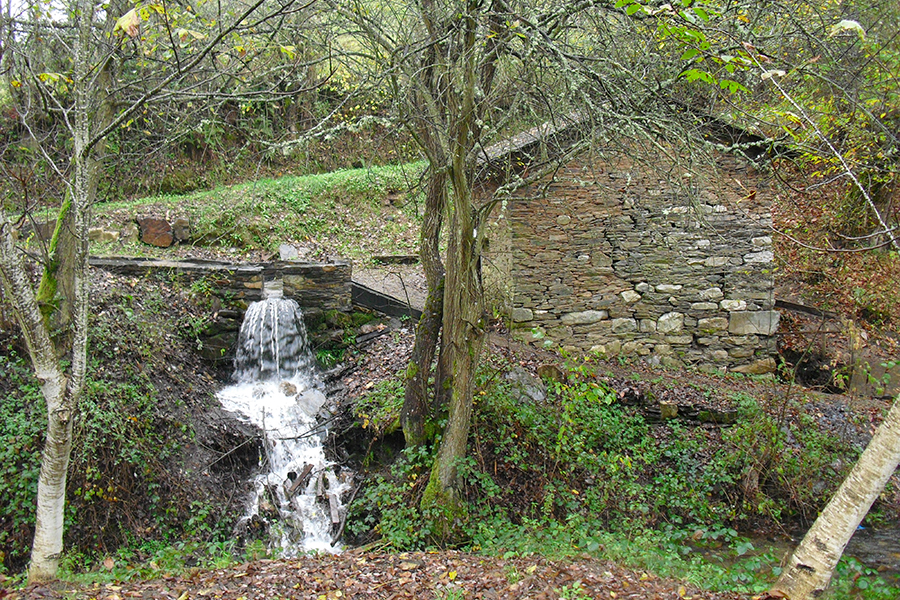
(811, 565)
(90, 101)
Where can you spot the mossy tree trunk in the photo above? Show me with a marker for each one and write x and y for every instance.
(464, 297)
(54, 320)
(415, 402)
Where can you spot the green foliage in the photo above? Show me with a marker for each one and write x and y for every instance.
(119, 463)
(389, 504)
(852, 579)
(23, 419)
(147, 559)
(579, 472)
(583, 453)
(784, 469)
(379, 410)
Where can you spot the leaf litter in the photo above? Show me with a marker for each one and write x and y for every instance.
(361, 574)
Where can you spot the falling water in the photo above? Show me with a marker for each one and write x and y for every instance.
(278, 389)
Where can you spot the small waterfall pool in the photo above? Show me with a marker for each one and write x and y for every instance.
(278, 388)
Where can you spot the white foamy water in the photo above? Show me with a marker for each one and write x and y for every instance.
(278, 389)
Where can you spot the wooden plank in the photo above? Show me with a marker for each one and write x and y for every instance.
(300, 480)
(335, 509)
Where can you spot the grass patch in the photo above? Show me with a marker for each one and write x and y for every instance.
(354, 213)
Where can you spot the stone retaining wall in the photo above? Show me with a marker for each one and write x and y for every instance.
(315, 286)
(616, 259)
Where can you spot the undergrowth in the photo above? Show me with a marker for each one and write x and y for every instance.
(125, 480)
(580, 472)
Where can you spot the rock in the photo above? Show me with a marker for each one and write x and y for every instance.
(524, 386)
(733, 305)
(181, 229)
(522, 315)
(668, 289)
(759, 367)
(98, 234)
(156, 232)
(667, 410)
(624, 325)
(648, 326)
(548, 371)
(367, 328)
(130, 233)
(704, 306)
(563, 219)
(759, 257)
(721, 417)
(716, 261)
(584, 317)
(762, 322)
(217, 347)
(713, 293)
(288, 252)
(712, 324)
(629, 348)
(670, 322)
(630, 296)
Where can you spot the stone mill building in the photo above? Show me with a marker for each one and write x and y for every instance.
(632, 257)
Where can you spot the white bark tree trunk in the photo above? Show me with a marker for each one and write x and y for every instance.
(810, 567)
(54, 464)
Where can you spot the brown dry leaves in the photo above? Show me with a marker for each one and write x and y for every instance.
(357, 574)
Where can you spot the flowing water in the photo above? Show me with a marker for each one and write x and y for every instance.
(278, 389)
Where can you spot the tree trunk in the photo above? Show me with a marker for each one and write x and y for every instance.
(415, 401)
(464, 336)
(810, 567)
(51, 500)
(54, 463)
(62, 394)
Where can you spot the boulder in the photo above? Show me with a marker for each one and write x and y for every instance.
(156, 232)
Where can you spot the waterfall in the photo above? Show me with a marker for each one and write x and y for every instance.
(278, 389)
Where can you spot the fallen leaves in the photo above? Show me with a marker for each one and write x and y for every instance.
(361, 575)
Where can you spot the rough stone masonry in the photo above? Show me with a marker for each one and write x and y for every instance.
(617, 259)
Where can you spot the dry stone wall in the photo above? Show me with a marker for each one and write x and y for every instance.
(315, 286)
(618, 260)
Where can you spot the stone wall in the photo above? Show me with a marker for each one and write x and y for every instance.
(315, 286)
(615, 258)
